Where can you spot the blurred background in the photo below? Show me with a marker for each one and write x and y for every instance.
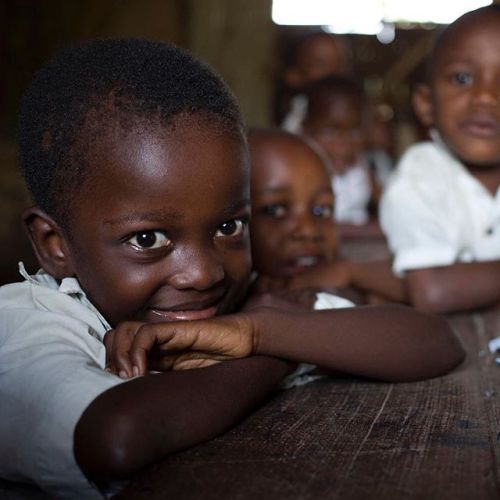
(249, 42)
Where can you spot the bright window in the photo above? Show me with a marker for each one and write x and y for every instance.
(368, 16)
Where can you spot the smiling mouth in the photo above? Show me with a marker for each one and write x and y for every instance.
(302, 263)
(183, 312)
(482, 127)
(161, 315)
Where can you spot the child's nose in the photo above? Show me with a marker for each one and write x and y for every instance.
(487, 91)
(305, 226)
(198, 269)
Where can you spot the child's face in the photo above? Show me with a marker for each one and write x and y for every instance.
(160, 232)
(320, 56)
(465, 91)
(338, 129)
(292, 205)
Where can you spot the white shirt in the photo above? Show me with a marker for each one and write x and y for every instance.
(435, 213)
(352, 191)
(52, 361)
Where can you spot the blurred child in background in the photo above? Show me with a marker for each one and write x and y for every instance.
(314, 56)
(441, 212)
(294, 240)
(336, 119)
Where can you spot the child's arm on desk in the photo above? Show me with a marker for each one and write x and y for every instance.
(373, 278)
(137, 423)
(456, 287)
(392, 343)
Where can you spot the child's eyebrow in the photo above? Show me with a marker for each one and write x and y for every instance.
(237, 206)
(145, 217)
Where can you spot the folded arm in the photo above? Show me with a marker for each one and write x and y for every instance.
(456, 287)
(393, 343)
(137, 423)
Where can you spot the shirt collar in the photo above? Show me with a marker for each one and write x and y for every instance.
(68, 286)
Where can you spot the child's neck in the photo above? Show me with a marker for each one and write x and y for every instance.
(489, 176)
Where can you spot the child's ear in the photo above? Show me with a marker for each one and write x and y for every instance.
(422, 104)
(48, 242)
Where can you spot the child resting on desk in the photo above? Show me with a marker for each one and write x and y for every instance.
(294, 236)
(136, 158)
(292, 232)
(441, 212)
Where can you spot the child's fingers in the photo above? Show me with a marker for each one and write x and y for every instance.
(123, 338)
(146, 337)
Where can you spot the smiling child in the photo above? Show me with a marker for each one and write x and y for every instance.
(441, 212)
(136, 158)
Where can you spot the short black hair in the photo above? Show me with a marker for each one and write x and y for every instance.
(115, 80)
(333, 87)
(444, 35)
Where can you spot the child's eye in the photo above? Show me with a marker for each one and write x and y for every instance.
(233, 227)
(149, 240)
(276, 210)
(323, 211)
(461, 78)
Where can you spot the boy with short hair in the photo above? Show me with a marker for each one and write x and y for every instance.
(314, 56)
(336, 119)
(441, 212)
(136, 156)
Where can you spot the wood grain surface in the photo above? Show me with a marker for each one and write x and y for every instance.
(356, 439)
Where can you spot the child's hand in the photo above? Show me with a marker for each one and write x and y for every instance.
(134, 348)
(335, 274)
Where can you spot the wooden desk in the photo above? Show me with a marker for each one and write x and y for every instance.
(356, 439)
(352, 439)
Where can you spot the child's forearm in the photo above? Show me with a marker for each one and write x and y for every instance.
(377, 278)
(137, 423)
(393, 343)
(455, 288)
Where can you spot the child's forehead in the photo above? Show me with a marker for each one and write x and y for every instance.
(292, 156)
(330, 104)
(319, 44)
(483, 22)
(178, 154)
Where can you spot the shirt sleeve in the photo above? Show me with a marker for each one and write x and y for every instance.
(51, 369)
(415, 226)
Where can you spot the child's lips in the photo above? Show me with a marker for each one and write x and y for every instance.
(303, 262)
(183, 312)
(480, 126)
(161, 315)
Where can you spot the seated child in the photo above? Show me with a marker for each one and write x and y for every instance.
(294, 242)
(441, 212)
(292, 226)
(335, 121)
(136, 158)
(292, 233)
(314, 56)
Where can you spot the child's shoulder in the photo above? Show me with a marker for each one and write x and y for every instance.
(425, 168)
(42, 300)
(421, 159)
